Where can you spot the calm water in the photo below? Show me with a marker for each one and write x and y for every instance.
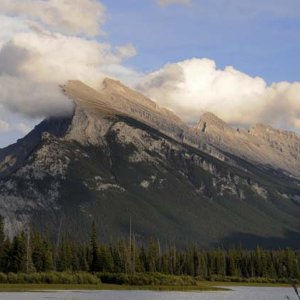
(239, 293)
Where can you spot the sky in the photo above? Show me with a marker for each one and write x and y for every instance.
(236, 58)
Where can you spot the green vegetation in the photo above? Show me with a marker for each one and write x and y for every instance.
(49, 278)
(99, 287)
(31, 258)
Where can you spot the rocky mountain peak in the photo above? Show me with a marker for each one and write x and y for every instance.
(117, 99)
(113, 86)
(113, 94)
(116, 88)
(262, 144)
(261, 129)
(112, 83)
(210, 121)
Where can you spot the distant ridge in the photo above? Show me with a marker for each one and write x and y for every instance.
(262, 144)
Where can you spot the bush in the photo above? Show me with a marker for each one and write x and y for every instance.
(49, 278)
(86, 278)
(245, 279)
(147, 279)
(3, 278)
(12, 278)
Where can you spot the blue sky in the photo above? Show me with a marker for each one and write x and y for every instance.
(258, 38)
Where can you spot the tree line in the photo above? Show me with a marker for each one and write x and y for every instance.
(31, 252)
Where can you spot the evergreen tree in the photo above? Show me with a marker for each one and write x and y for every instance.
(143, 260)
(17, 254)
(2, 234)
(106, 259)
(65, 256)
(153, 257)
(2, 244)
(83, 258)
(32, 251)
(5, 256)
(95, 265)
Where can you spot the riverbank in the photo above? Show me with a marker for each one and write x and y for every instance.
(200, 287)
(102, 287)
(108, 281)
(246, 284)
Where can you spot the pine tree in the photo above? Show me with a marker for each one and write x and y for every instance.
(42, 254)
(118, 267)
(75, 257)
(5, 256)
(64, 257)
(143, 259)
(17, 254)
(2, 244)
(95, 265)
(2, 234)
(83, 258)
(153, 256)
(106, 259)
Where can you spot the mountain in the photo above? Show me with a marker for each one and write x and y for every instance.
(262, 144)
(120, 156)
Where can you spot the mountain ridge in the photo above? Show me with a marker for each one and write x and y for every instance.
(261, 144)
(209, 134)
(136, 105)
(119, 157)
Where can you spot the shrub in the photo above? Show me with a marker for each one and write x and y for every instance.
(12, 278)
(3, 278)
(147, 279)
(49, 278)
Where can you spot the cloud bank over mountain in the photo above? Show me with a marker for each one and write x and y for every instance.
(44, 43)
(194, 86)
(48, 43)
(68, 16)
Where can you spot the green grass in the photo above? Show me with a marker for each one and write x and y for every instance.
(101, 287)
(201, 287)
(250, 284)
(106, 281)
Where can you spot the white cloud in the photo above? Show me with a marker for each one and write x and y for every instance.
(9, 27)
(45, 56)
(26, 97)
(4, 126)
(67, 16)
(194, 86)
(51, 46)
(44, 43)
(170, 2)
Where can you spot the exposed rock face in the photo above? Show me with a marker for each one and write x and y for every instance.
(262, 144)
(13, 157)
(117, 99)
(121, 155)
